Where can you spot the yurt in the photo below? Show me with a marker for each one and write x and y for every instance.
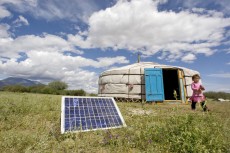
(147, 81)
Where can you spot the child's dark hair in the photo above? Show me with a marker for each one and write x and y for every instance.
(195, 75)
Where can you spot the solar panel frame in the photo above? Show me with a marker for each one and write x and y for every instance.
(63, 130)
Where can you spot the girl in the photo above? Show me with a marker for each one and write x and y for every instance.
(197, 95)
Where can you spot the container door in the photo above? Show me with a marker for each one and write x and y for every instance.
(154, 88)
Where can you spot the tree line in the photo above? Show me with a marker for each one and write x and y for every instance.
(216, 95)
(55, 87)
(60, 88)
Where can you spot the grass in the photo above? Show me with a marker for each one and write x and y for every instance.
(31, 123)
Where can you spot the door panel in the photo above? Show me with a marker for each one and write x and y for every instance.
(154, 84)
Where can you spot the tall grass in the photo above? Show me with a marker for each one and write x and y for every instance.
(31, 123)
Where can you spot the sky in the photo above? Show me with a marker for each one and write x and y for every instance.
(74, 40)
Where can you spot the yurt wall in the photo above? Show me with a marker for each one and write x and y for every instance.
(129, 81)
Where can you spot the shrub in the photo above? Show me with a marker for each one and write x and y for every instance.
(58, 85)
(48, 90)
(36, 88)
(75, 92)
(53, 88)
(15, 88)
(93, 95)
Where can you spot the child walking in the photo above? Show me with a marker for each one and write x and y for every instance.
(197, 96)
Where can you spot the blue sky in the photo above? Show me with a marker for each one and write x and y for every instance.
(74, 41)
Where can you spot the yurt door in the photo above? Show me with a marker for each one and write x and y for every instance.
(154, 88)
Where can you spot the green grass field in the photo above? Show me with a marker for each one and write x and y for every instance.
(31, 123)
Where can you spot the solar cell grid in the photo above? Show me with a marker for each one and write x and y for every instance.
(89, 113)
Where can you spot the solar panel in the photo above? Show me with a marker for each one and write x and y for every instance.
(89, 113)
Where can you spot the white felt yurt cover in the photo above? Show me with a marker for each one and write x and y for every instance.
(128, 81)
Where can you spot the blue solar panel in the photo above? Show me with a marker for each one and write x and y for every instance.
(89, 113)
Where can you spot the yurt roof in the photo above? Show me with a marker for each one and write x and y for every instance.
(138, 68)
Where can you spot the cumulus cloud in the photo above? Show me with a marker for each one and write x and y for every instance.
(47, 66)
(139, 26)
(48, 57)
(73, 10)
(4, 31)
(109, 61)
(4, 12)
(188, 58)
(10, 47)
(20, 21)
(46, 60)
(133, 25)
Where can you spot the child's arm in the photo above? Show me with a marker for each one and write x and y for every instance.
(202, 87)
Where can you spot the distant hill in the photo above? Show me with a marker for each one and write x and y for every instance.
(17, 81)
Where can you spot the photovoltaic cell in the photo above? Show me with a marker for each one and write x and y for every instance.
(89, 113)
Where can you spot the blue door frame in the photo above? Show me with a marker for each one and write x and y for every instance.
(154, 87)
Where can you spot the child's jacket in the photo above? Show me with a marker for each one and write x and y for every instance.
(197, 95)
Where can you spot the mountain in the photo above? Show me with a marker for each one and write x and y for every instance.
(17, 81)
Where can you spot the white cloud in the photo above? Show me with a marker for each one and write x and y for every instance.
(4, 31)
(4, 12)
(20, 21)
(207, 12)
(47, 59)
(228, 63)
(134, 25)
(109, 61)
(220, 75)
(55, 9)
(188, 58)
(78, 40)
(10, 47)
(11, 1)
(47, 66)
(223, 5)
(139, 26)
